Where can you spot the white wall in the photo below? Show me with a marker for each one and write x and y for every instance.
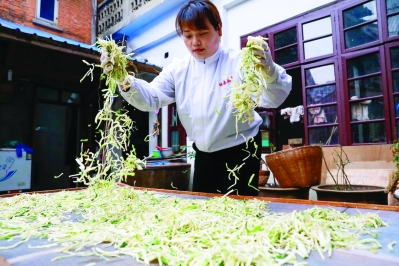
(174, 46)
(239, 17)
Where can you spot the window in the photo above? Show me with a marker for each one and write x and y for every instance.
(392, 10)
(70, 97)
(321, 104)
(365, 97)
(348, 52)
(360, 25)
(57, 96)
(393, 78)
(286, 46)
(47, 11)
(317, 36)
(267, 128)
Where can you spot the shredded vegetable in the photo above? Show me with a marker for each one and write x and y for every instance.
(180, 231)
(245, 96)
(113, 126)
(170, 230)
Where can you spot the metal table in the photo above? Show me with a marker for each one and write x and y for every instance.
(23, 255)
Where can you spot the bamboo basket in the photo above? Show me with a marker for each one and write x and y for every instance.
(296, 167)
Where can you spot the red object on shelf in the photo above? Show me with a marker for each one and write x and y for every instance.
(14, 191)
(160, 148)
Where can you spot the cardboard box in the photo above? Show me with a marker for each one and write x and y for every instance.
(298, 141)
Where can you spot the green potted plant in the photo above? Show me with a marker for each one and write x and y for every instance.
(342, 190)
(394, 176)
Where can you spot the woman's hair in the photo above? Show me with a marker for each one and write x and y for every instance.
(194, 14)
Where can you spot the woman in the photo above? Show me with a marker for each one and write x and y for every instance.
(198, 84)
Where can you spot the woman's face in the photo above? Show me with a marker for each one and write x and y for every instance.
(201, 43)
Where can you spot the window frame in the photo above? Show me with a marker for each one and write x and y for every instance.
(341, 128)
(272, 46)
(384, 16)
(341, 30)
(45, 21)
(390, 88)
(335, 40)
(340, 55)
(346, 100)
(271, 129)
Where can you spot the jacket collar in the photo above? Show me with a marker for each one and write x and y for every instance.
(210, 59)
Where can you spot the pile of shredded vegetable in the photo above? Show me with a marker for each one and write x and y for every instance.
(245, 96)
(153, 227)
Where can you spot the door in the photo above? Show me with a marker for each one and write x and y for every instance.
(55, 146)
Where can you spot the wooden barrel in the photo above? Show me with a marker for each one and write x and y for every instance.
(171, 175)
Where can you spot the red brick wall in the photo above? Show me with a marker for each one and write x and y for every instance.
(74, 17)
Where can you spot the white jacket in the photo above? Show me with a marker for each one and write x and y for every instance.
(198, 87)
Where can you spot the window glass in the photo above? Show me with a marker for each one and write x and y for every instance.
(47, 94)
(397, 129)
(393, 26)
(70, 97)
(47, 9)
(368, 132)
(265, 139)
(267, 118)
(394, 57)
(363, 65)
(367, 110)
(285, 38)
(320, 75)
(287, 55)
(392, 6)
(360, 14)
(395, 77)
(318, 47)
(365, 87)
(321, 95)
(396, 105)
(322, 115)
(317, 28)
(361, 35)
(325, 135)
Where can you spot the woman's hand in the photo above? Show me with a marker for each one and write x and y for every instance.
(264, 56)
(124, 82)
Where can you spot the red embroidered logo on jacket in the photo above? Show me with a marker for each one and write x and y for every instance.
(224, 82)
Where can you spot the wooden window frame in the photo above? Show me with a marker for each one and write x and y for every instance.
(341, 30)
(338, 103)
(390, 88)
(272, 46)
(384, 18)
(346, 100)
(271, 129)
(339, 56)
(330, 14)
